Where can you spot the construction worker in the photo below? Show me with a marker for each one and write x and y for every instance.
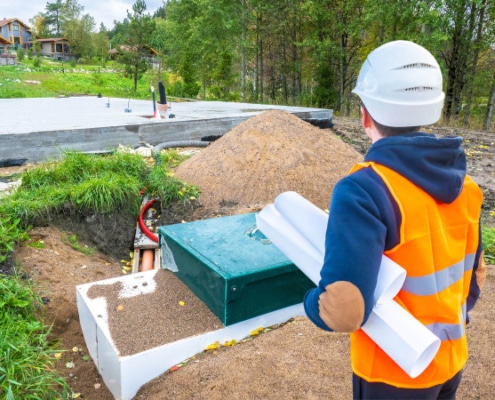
(412, 200)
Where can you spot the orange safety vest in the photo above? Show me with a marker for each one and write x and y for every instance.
(438, 244)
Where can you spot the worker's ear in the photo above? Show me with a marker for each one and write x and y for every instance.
(366, 120)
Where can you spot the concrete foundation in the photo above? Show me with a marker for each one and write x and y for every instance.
(38, 130)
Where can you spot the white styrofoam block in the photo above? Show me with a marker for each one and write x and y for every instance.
(125, 375)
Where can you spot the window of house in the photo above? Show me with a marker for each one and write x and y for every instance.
(16, 27)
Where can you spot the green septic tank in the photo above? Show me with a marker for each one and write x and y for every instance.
(232, 267)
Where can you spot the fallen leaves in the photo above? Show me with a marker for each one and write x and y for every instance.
(256, 332)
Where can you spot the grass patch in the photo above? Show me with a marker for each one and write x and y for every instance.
(85, 183)
(26, 370)
(489, 243)
(56, 78)
(79, 182)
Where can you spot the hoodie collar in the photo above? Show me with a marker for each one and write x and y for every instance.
(436, 165)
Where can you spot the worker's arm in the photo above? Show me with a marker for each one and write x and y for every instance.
(478, 276)
(355, 240)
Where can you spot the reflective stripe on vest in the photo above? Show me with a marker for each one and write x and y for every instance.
(436, 282)
(438, 243)
(449, 331)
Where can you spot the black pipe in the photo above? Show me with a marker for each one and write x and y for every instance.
(161, 90)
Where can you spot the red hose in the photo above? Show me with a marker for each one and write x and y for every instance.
(142, 225)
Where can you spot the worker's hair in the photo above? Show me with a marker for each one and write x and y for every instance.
(387, 131)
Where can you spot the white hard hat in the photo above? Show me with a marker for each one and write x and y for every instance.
(400, 84)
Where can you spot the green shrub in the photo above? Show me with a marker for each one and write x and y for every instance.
(37, 61)
(21, 53)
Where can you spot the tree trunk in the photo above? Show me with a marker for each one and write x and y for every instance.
(243, 51)
(474, 57)
(295, 93)
(456, 63)
(136, 71)
(343, 71)
(487, 123)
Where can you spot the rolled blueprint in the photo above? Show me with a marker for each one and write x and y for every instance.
(310, 220)
(297, 228)
(409, 343)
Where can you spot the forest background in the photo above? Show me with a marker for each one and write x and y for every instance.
(294, 52)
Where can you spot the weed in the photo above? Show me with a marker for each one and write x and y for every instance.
(11, 233)
(73, 241)
(170, 158)
(163, 184)
(37, 244)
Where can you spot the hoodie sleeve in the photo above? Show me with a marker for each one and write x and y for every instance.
(356, 237)
(478, 276)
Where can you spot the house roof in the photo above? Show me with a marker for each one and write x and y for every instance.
(5, 41)
(124, 47)
(6, 21)
(48, 40)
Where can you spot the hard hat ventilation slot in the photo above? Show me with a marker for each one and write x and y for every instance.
(418, 65)
(418, 89)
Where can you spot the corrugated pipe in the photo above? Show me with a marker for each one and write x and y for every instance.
(142, 225)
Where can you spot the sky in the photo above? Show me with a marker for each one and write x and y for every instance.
(105, 11)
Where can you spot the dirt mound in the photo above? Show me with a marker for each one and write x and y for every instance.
(264, 156)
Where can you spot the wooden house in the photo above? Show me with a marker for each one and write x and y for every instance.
(13, 34)
(56, 48)
(148, 53)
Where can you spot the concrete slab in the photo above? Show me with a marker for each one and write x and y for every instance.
(41, 129)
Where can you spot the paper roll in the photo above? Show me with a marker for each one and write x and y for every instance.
(409, 343)
(391, 277)
(310, 220)
(297, 228)
(290, 242)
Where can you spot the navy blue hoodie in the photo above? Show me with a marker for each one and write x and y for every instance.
(364, 219)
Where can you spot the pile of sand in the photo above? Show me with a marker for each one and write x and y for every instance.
(264, 156)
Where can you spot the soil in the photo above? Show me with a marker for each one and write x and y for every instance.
(172, 300)
(295, 360)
